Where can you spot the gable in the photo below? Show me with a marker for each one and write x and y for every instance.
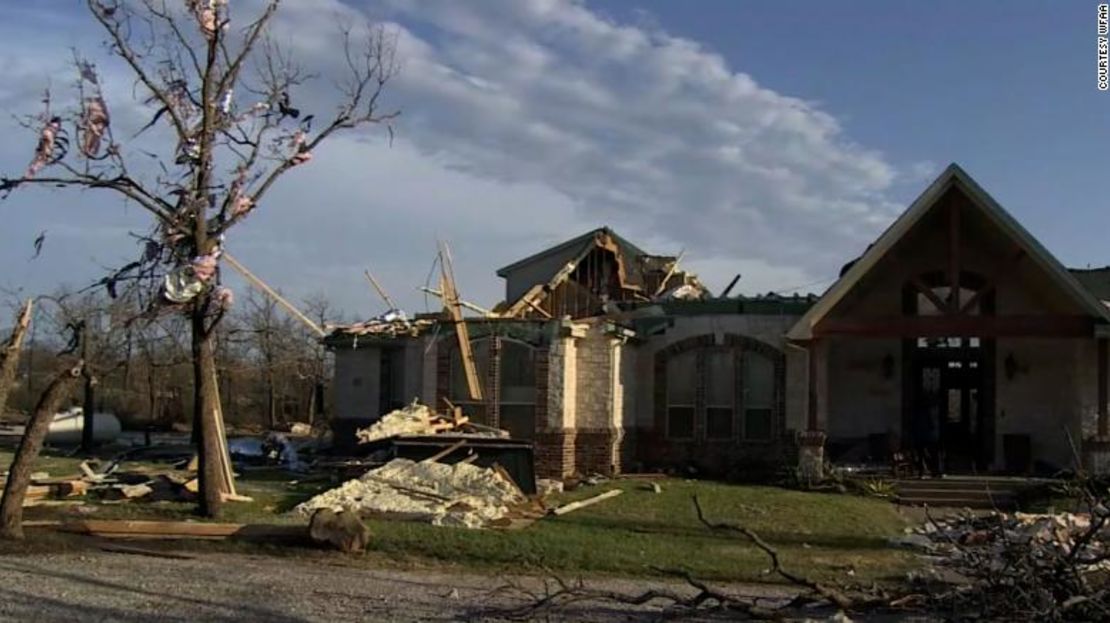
(1001, 248)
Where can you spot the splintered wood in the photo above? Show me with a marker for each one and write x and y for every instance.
(454, 308)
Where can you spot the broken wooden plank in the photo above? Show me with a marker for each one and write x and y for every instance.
(573, 506)
(266, 289)
(152, 529)
(442, 453)
(466, 304)
(381, 291)
(451, 302)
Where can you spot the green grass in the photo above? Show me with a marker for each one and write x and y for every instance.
(634, 534)
(819, 534)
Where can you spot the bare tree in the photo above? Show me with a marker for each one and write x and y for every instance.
(233, 136)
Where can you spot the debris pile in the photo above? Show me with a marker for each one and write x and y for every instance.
(418, 419)
(1014, 566)
(443, 495)
(393, 323)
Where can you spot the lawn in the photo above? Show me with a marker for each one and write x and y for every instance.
(635, 534)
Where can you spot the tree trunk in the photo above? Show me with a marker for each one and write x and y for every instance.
(19, 475)
(271, 400)
(89, 408)
(206, 403)
(9, 354)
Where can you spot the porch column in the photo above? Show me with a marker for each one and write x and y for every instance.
(811, 442)
(811, 358)
(1103, 420)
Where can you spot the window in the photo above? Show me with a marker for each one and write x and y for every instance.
(720, 393)
(459, 392)
(759, 395)
(517, 410)
(681, 395)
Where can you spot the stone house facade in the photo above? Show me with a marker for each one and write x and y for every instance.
(610, 359)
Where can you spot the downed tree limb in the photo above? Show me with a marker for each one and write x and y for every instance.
(573, 506)
(9, 353)
(835, 596)
(19, 475)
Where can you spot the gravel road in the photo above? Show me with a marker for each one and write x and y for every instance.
(105, 586)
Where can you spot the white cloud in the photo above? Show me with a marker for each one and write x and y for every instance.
(524, 122)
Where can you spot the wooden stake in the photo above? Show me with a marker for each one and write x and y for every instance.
(261, 285)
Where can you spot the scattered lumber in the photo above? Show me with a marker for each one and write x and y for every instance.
(133, 529)
(444, 452)
(573, 506)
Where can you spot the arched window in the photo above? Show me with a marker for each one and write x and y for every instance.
(722, 391)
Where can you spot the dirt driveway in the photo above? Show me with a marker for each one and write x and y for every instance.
(104, 586)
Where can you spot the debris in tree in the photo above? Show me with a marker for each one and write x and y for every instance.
(94, 123)
(341, 529)
(573, 506)
(444, 495)
(51, 148)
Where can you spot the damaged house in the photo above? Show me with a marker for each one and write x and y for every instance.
(611, 359)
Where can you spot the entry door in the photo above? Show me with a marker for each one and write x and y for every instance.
(961, 387)
(948, 393)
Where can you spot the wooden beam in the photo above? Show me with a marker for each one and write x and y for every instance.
(976, 298)
(381, 291)
(941, 305)
(1103, 418)
(451, 302)
(266, 289)
(954, 257)
(470, 306)
(663, 284)
(959, 326)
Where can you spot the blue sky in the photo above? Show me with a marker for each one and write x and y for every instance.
(774, 139)
(1005, 88)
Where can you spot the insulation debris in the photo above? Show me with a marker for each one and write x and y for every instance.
(461, 495)
(418, 420)
(415, 419)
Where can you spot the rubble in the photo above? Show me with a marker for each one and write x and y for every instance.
(1000, 566)
(415, 419)
(444, 495)
(393, 323)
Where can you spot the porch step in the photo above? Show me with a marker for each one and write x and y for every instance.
(970, 492)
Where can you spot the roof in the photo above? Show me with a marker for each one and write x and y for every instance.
(952, 176)
(1094, 280)
(572, 247)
